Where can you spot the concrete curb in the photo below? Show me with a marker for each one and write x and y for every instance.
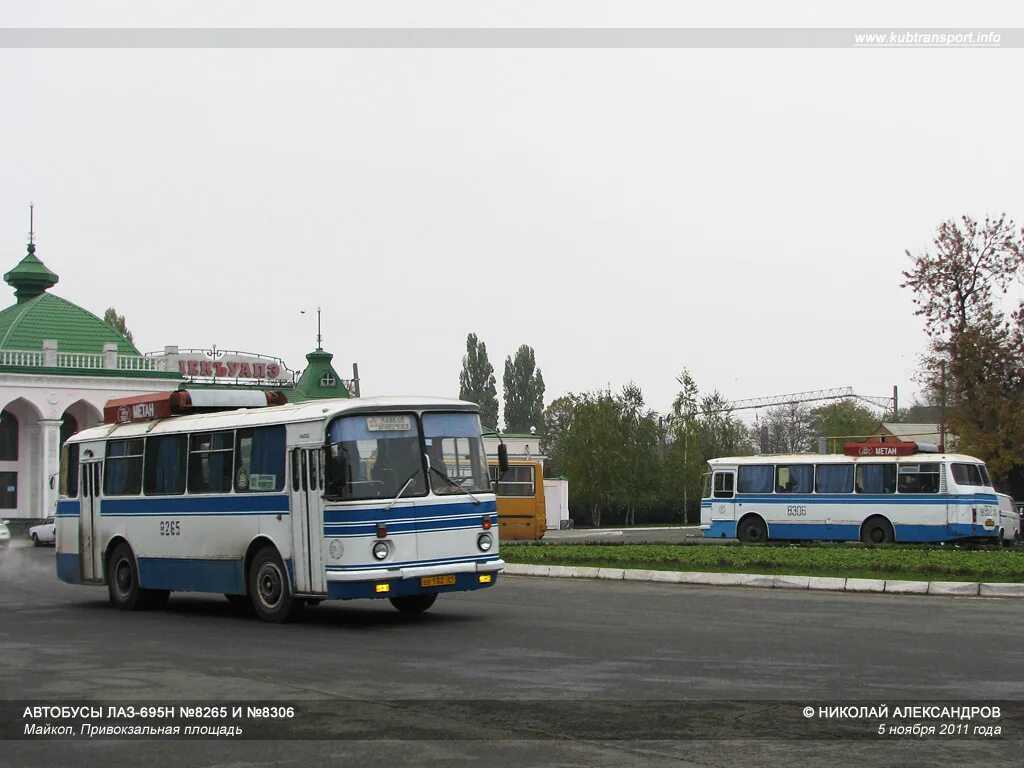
(822, 583)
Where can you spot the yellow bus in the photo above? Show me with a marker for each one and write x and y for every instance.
(520, 492)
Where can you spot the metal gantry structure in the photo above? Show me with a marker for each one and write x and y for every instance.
(838, 393)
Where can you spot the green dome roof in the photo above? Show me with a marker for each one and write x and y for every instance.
(26, 325)
(39, 315)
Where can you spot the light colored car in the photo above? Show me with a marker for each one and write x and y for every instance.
(5, 535)
(43, 533)
(1009, 520)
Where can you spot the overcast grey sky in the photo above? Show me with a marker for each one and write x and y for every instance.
(739, 212)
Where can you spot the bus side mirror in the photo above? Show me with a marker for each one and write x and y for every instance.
(53, 482)
(502, 459)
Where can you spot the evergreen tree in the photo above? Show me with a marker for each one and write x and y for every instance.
(476, 381)
(524, 391)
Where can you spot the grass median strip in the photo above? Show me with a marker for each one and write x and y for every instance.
(915, 563)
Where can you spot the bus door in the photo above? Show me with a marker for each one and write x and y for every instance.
(307, 514)
(723, 494)
(89, 544)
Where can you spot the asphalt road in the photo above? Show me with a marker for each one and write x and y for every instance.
(579, 655)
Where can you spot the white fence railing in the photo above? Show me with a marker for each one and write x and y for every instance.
(134, 363)
(79, 360)
(21, 357)
(30, 358)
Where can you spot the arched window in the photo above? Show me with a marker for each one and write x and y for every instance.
(68, 427)
(8, 436)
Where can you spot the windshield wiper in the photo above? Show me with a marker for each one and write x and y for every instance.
(453, 484)
(398, 495)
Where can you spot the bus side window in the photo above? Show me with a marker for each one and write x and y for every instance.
(260, 459)
(782, 480)
(876, 478)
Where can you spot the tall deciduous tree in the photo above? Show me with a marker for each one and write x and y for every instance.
(638, 426)
(685, 464)
(841, 421)
(591, 453)
(476, 381)
(975, 350)
(524, 391)
(557, 417)
(786, 429)
(974, 360)
(117, 322)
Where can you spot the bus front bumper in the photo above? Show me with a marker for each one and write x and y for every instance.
(416, 572)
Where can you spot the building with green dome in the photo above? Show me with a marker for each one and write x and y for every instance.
(60, 364)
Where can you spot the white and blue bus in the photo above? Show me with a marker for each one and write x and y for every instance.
(877, 493)
(281, 505)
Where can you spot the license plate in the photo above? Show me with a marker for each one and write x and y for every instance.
(437, 581)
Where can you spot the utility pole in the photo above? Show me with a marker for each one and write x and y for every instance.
(942, 406)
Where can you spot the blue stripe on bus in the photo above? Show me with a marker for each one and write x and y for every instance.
(183, 574)
(851, 531)
(69, 567)
(416, 563)
(402, 587)
(858, 498)
(381, 514)
(359, 531)
(68, 508)
(244, 504)
(241, 504)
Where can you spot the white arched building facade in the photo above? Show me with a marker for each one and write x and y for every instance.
(60, 364)
(40, 412)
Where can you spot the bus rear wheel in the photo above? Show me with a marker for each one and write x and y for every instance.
(123, 583)
(413, 603)
(752, 531)
(877, 530)
(269, 589)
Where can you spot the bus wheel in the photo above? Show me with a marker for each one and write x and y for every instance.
(269, 591)
(877, 530)
(123, 583)
(413, 603)
(752, 530)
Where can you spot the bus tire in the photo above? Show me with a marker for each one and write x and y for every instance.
(123, 582)
(877, 530)
(752, 530)
(269, 589)
(413, 603)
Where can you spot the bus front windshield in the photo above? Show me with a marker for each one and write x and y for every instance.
(455, 453)
(374, 457)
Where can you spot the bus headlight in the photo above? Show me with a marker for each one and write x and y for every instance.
(381, 550)
(484, 541)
